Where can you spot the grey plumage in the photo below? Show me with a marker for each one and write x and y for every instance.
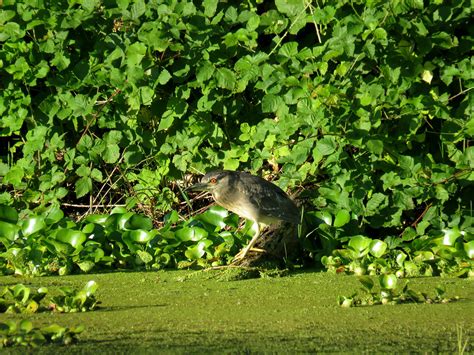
(250, 197)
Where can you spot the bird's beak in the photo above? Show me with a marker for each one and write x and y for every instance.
(198, 187)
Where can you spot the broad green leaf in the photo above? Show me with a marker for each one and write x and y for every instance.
(171, 217)
(342, 218)
(8, 231)
(138, 9)
(271, 103)
(144, 256)
(375, 146)
(164, 77)
(378, 248)
(97, 218)
(325, 216)
(289, 50)
(225, 78)
(360, 245)
(326, 146)
(214, 216)
(111, 153)
(21, 293)
(83, 186)
(469, 249)
(90, 287)
(73, 237)
(53, 215)
(197, 251)
(139, 236)
(137, 221)
(210, 7)
(25, 325)
(374, 202)
(190, 233)
(86, 266)
(135, 53)
(32, 307)
(388, 282)
(290, 7)
(32, 225)
(450, 236)
(367, 282)
(8, 214)
(205, 71)
(14, 176)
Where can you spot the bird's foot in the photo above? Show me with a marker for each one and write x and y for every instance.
(243, 253)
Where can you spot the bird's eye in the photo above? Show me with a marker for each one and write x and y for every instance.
(213, 180)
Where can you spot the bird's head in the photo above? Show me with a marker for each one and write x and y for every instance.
(210, 182)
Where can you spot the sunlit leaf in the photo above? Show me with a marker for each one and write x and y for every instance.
(388, 281)
(325, 216)
(342, 217)
(214, 216)
(73, 237)
(86, 265)
(32, 225)
(122, 220)
(137, 221)
(144, 256)
(197, 251)
(139, 236)
(450, 236)
(91, 287)
(378, 248)
(97, 218)
(360, 245)
(8, 231)
(469, 249)
(190, 233)
(21, 292)
(25, 325)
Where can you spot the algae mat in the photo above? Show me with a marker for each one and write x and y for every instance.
(189, 312)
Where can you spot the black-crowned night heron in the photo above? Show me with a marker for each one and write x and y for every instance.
(250, 197)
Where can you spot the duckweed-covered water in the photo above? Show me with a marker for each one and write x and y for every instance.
(197, 312)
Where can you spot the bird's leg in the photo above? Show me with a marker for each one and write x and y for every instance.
(241, 254)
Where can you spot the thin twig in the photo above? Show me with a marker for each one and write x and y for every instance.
(460, 93)
(96, 114)
(315, 24)
(91, 206)
(421, 215)
(287, 31)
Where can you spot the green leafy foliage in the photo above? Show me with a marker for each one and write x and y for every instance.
(24, 333)
(388, 293)
(367, 105)
(72, 300)
(21, 299)
(53, 244)
(426, 256)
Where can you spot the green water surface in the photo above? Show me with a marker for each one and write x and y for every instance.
(198, 312)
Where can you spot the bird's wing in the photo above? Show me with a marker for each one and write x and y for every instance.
(270, 199)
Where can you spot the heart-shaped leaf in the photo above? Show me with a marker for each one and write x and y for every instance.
(378, 248)
(73, 237)
(8, 214)
(360, 245)
(388, 282)
(191, 233)
(32, 225)
(342, 217)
